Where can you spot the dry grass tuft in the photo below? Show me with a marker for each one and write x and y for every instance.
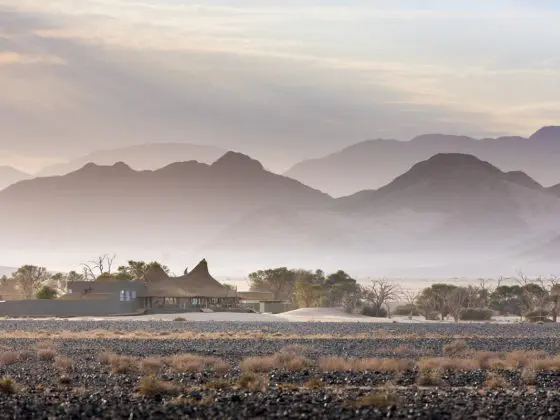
(314, 384)
(46, 355)
(118, 363)
(9, 357)
(195, 363)
(63, 363)
(253, 382)
(219, 385)
(7, 386)
(288, 387)
(340, 364)
(428, 377)
(258, 364)
(494, 381)
(529, 376)
(27, 354)
(521, 359)
(287, 359)
(151, 365)
(46, 345)
(445, 363)
(179, 319)
(150, 386)
(456, 348)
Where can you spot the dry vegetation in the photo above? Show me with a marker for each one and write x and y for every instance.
(253, 382)
(379, 334)
(288, 358)
(150, 386)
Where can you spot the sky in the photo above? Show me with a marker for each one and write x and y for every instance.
(279, 80)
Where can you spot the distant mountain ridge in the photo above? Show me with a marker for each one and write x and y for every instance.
(176, 204)
(451, 211)
(9, 176)
(145, 156)
(374, 163)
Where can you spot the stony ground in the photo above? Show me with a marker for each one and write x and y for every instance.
(111, 369)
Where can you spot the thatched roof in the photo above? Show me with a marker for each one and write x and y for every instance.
(155, 274)
(197, 283)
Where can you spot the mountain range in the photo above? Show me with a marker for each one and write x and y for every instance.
(374, 163)
(145, 156)
(450, 213)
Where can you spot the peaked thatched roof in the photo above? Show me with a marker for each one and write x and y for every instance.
(197, 283)
(155, 274)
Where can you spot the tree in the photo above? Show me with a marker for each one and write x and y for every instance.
(337, 286)
(279, 281)
(46, 292)
(29, 279)
(555, 300)
(306, 292)
(507, 300)
(101, 266)
(437, 298)
(456, 301)
(411, 298)
(229, 286)
(137, 270)
(352, 299)
(380, 293)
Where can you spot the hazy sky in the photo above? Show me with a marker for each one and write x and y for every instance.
(280, 80)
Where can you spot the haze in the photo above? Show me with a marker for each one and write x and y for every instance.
(280, 81)
(382, 136)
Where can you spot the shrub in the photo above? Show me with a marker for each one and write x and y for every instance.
(373, 312)
(7, 386)
(63, 363)
(9, 358)
(494, 381)
(151, 365)
(456, 348)
(46, 292)
(428, 377)
(150, 386)
(253, 382)
(195, 363)
(46, 355)
(179, 319)
(475, 314)
(406, 310)
(314, 384)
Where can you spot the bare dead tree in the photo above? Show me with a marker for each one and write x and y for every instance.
(411, 299)
(381, 292)
(98, 267)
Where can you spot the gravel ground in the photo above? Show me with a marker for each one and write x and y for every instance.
(66, 378)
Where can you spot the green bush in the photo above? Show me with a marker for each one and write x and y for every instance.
(475, 314)
(376, 313)
(46, 292)
(406, 310)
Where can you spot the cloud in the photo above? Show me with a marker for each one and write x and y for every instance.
(252, 75)
(14, 58)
